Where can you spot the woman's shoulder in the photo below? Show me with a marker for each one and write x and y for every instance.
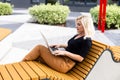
(88, 39)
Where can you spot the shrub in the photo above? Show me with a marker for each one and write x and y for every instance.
(5, 8)
(49, 14)
(112, 15)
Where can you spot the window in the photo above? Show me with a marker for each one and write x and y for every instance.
(7, 1)
(80, 2)
(35, 1)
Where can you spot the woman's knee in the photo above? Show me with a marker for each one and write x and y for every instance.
(40, 46)
(42, 49)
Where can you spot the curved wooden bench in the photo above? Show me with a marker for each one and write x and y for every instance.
(4, 32)
(116, 52)
(34, 70)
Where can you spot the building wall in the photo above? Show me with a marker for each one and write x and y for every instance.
(28, 3)
(24, 3)
(21, 3)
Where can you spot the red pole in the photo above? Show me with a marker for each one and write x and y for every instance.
(102, 15)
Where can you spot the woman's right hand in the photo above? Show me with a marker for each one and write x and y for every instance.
(56, 45)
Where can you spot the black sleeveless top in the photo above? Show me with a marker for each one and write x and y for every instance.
(79, 46)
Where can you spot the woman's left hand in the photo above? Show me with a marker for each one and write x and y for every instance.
(58, 53)
(68, 54)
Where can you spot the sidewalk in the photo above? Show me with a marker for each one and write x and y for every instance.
(26, 35)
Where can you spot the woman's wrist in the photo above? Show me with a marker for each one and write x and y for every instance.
(66, 53)
(63, 46)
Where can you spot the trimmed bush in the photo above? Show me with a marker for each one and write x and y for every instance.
(49, 14)
(5, 8)
(112, 16)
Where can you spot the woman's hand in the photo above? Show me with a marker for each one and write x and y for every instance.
(56, 46)
(59, 46)
(73, 56)
(59, 53)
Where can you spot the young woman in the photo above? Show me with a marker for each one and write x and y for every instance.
(75, 51)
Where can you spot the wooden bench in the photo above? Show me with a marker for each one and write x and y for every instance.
(32, 70)
(4, 32)
(116, 52)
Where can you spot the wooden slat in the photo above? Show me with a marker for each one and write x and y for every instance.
(29, 71)
(116, 55)
(85, 67)
(13, 73)
(94, 55)
(21, 71)
(66, 77)
(92, 58)
(87, 64)
(97, 48)
(95, 52)
(54, 74)
(38, 71)
(73, 77)
(82, 70)
(79, 72)
(49, 73)
(116, 58)
(89, 61)
(116, 52)
(115, 49)
(104, 46)
(63, 76)
(76, 75)
(1, 77)
(5, 74)
(100, 46)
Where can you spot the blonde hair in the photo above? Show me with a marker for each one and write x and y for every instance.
(87, 25)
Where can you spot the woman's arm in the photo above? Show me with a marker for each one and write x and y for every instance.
(73, 56)
(63, 45)
(59, 45)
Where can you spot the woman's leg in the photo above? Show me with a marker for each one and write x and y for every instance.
(33, 54)
(59, 63)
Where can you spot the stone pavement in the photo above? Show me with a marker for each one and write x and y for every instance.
(26, 35)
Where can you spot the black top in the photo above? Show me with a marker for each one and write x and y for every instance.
(79, 46)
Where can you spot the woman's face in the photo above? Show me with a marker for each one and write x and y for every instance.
(79, 27)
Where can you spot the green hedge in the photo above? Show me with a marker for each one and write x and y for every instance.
(49, 14)
(112, 16)
(5, 8)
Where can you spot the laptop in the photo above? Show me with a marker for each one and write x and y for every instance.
(46, 42)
